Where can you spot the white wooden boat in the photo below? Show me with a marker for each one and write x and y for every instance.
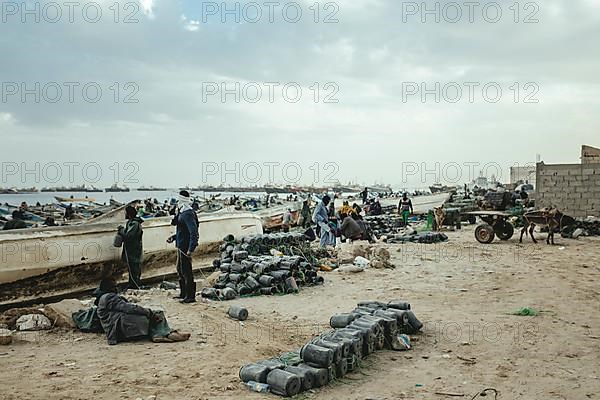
(62, 199)
(421, 204)
(34, 252)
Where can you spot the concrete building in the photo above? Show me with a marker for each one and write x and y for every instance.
(526, 174)
(590, 155)
(573, 188)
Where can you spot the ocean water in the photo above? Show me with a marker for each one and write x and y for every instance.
(103, 197)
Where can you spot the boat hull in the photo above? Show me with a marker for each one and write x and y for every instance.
(35, 252)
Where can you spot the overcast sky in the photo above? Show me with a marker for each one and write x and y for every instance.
(372, 61)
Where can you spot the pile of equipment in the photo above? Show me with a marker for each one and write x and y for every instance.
(371, 326)
(262, 244)
(427, 238)
(247, 271)
(385, 224)
(589, 226)
(498, 201)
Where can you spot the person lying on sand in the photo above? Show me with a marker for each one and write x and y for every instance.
(123, 321)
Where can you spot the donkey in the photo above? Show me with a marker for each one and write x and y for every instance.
(550, 217)
(439, 214)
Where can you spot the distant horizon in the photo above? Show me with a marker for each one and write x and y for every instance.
(416, 176)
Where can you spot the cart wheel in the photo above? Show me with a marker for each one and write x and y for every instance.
(472, 219)
(484, 234)
(504, 230)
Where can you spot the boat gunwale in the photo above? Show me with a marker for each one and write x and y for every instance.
(105, 227)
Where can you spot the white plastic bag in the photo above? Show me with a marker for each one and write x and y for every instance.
(361, 262)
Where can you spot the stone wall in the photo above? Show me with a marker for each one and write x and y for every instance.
(573, 188)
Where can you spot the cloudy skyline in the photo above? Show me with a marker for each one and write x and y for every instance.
(163, 116)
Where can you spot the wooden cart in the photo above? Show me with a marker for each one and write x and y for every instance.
(495, 223)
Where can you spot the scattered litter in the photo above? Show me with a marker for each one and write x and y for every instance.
(350, 269)
(526, 312)
(469, 361)
(257, 387)
(168, 285)
(361, 262)
(404, 341)
(33, 322)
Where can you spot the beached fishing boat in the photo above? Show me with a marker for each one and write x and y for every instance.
(272, 217)
(37, 252)
(72, 199)
(421, 204)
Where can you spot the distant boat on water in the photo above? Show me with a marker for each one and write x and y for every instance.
(69, 189)
(64, 189)
(151, 189)
(115, 188)
(281, 189)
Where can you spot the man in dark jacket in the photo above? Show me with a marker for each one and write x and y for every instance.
(120, 320)
(123, 321)
(305, 213)
(186, 240)
(132, 247)
(350, 229)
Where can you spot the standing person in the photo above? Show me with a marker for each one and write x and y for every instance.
(357, 210)
(524, 197)
(132, 246)
(331, 209)
(365, 194)
(69, 212)
(405, 208)
(321, 218)
(186, 241)
(305, 213)
(287, 220)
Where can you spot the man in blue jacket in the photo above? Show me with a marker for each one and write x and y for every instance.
(186, 240)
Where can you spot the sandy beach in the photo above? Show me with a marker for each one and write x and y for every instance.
(461, 290)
